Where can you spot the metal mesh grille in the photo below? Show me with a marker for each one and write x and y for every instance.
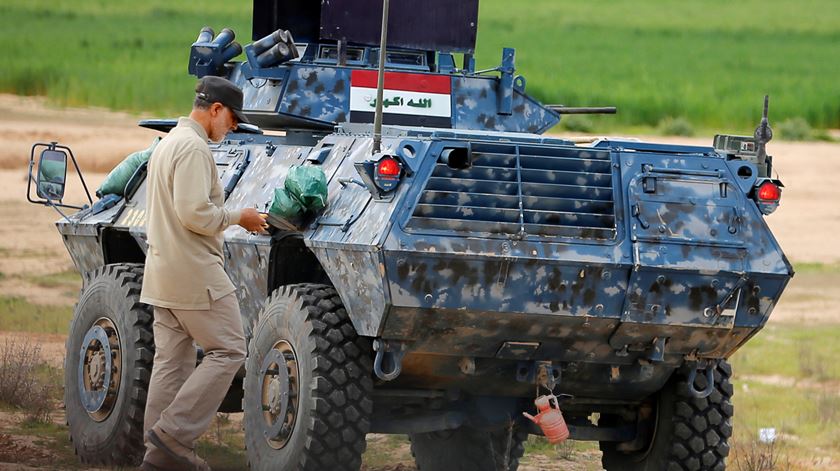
(522, 189)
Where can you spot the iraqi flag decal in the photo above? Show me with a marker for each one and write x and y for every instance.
(409, 99)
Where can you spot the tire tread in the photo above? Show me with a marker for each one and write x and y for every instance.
(127, 447)
(335, 437)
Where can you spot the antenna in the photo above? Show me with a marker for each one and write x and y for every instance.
(763, 133)
(380, 86)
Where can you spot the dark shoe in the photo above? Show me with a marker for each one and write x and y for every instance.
(186, 457)
(157, 460)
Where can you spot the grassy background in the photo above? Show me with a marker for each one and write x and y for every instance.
(709, 62)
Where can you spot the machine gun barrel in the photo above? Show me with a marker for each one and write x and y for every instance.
(582, 109)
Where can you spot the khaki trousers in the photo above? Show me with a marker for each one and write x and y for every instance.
(183, 399)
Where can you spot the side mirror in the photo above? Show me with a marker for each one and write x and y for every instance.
(52, 175)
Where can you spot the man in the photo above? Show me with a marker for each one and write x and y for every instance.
(185, 281)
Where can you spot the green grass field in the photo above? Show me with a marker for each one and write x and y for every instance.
(709, 62)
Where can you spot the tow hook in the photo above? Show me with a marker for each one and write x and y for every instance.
(541, 373)
(393, 352)
(709, 366)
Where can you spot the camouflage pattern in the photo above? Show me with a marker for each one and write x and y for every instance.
(297, 95)
(461, 287)
(616, 262)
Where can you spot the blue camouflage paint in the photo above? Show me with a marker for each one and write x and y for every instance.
(583, 293)
(619, 260)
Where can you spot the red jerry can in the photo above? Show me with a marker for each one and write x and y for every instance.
(549, 418)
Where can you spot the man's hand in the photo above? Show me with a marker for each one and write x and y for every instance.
(252, 220)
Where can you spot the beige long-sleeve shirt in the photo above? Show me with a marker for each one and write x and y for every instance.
(186, 218)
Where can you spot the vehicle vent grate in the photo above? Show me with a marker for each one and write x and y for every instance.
(522, 189)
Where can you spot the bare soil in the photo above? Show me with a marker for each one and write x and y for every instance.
(99, 138)
(806, 226)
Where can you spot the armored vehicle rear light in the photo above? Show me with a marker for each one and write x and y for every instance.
(767, 194)
(388, 167)
(769, 191)
(386, 174)
(382, 174)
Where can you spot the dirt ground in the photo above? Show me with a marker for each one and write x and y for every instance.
(806, 224)
(98, 137)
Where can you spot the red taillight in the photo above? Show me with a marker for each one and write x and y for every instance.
(388, 167)
(769, 191)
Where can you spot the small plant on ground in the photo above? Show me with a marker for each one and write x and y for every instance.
(566, 450)
(23, 382)
(221, 429)
(828, 407)
(811, 364)
(759, 456)
(794, 129)
(675, 127)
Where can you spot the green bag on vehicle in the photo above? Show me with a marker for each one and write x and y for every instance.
(284, 205)
(305, 189)
(116, 181)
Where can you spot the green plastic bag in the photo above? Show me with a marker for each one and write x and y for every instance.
(308, 185)
(116, 181)
(284, 205)
(305, 189)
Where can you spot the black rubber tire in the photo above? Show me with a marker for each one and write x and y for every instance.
(335, 367)
(112, 292)
(691, 434)
(467, 449)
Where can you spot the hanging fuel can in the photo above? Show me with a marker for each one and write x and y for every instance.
(549, 418)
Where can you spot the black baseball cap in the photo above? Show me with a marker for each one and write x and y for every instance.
(212, 89)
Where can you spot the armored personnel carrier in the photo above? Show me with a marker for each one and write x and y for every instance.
(465, 263)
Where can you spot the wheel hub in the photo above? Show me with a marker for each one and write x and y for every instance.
(99, 369)
(277, 396)
(96, 370)
(279, 372)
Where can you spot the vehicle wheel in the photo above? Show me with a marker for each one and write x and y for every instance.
(108, 363)
(690, 434)
(468, 449)
(308, 384)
